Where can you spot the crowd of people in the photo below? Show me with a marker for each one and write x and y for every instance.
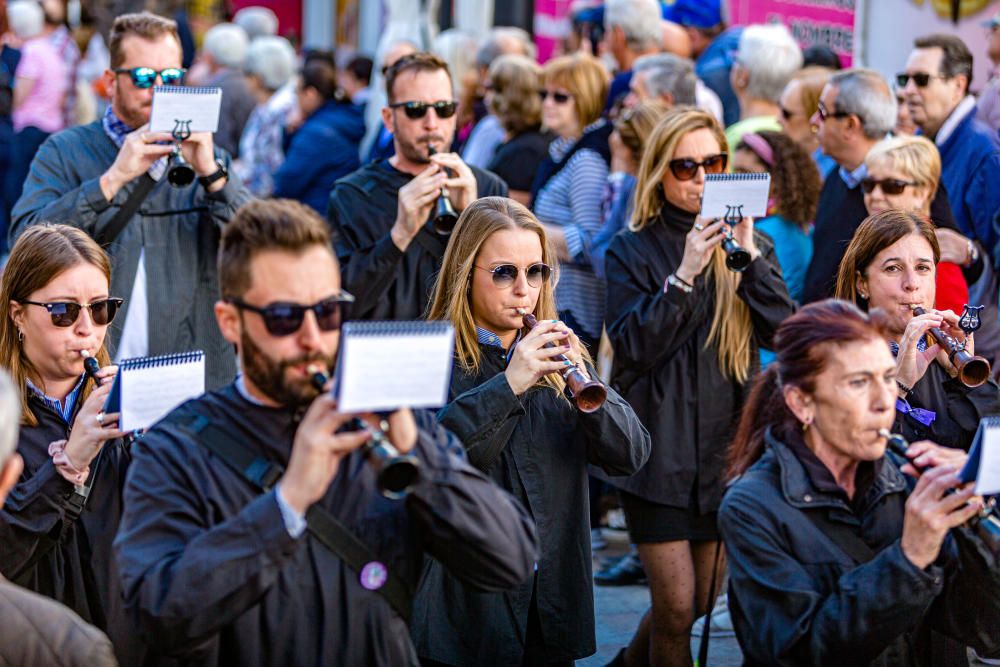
(745, 428)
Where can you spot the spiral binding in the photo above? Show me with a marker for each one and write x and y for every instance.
(396, 328)
(188, 90)
(162, 360)
(727, 178)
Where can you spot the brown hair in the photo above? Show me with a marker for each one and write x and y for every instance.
(635, 125)
(514, 79)
(143, 24)
(421, 61)
(811, 80)
(804, 343)
(40, 254)
(266, 224)
(956, 59)
(795, 180)
(875, 234)
(586, 80)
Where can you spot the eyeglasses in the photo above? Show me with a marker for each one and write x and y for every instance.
(684, 169)
(415, 110)
(145, 77)
(65, 313)
(504, 275)
(560, 98)
(890, 186)
(824, 113)
(919, 78)
(284, 319)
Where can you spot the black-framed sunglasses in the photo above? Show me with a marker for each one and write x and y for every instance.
(684, 169)
(786, 114)
(284, 319)
(65, 313)
(825, 113)
(919, 78)
(145, 77)
(415, 110)
(504, 275)
(890, 186)
(560, 98)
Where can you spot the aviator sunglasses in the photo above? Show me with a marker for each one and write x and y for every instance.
(284, 319)
(684, 169)
(145, 77)
(65, 313)
(890, 186)
(504, 275)
(415, 110)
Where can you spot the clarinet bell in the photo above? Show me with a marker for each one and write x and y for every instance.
(179, 172)
(396, 473)
(444, 216)
(737, 259)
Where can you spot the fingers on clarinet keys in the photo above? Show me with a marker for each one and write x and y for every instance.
(973, 370)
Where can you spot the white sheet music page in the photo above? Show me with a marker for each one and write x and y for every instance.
(988, 478)
(728, 193)
(389, 365)
(176, 108)
(150, 391)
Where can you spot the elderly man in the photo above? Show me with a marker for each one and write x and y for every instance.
(257, 22)
(935, 87)
(224, 53)
(671, 80)
(632, 29)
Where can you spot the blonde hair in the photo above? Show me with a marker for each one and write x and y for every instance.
(636, 124)
(451, 301)
(811, 80)
(913, 155)
(732, 330)
(585, 78)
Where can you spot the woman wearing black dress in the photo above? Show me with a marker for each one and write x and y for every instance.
(685, 332)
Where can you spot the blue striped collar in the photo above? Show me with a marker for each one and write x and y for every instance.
(65, 407)
(487, 337)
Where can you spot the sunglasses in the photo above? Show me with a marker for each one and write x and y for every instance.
(824, 113)
(65, 313)
(890, 186)
(786, 114)
(919, 78)
(284, 319)
(684, 169)
(505, 275)
(145, 77)
(415, 110)
(560, 98)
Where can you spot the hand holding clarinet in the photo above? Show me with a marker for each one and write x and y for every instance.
(92, 427)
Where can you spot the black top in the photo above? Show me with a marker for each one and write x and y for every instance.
(797, 598)
(517, 160)
(213, 575)
(662, 366)
(537, 447)
(387, 284)
(51, 548)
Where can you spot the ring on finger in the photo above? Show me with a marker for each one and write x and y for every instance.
(699, 226)
(100, 418)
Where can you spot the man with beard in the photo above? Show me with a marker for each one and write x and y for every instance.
(218, 573)
(379, 213)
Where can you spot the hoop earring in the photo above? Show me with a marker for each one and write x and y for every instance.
(20, 335)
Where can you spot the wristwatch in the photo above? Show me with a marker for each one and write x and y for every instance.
(218, 174)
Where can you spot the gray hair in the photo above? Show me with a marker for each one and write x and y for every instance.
(227, 44)
(866, 94)
(26, 18)
(638, 19)
(771, 56)
(499, 39)
(10, 416)
(668, 74)
(272, 60)
(257, 22)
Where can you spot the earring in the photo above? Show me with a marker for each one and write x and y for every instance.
(863, 295)
(20, 335)
(805, 424)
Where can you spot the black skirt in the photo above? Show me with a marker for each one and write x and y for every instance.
(650, 522)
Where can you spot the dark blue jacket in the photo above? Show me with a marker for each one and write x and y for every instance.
(324, 149)
(713, 66)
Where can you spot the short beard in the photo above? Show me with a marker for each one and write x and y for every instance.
(268, 375)
(416, 151)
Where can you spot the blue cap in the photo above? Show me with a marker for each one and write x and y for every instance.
(694, 13)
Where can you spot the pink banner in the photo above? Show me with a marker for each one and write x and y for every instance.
(827, 22)
(552, 24)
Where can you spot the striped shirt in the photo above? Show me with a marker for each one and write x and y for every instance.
(572, 200)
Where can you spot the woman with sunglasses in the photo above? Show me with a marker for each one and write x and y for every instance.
(799, 101)
(568, 190)
(685, 332)
(58, 523)
(509, 407)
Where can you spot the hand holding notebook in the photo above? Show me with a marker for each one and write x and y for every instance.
(148, 388)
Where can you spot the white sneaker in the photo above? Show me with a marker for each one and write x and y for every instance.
(722, 622)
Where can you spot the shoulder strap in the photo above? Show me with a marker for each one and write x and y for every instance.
(846, 539)
(324, 526)
(125, 213)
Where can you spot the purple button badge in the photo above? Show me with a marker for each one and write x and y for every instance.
(374, 575)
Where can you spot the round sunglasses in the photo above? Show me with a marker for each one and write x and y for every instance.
(684, 169)
(415, 110)
(145, 77)
(65, 313)
(504, 275)
(284, 319)
(890, 186)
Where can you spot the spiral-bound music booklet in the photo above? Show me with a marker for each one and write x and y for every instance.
(735, 195)
(180, 109)
(389, 365)
(983, 465)
(147, 388)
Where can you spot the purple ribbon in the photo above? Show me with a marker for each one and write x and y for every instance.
(925, 417)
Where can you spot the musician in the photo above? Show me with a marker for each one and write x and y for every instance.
(220, 573)
(509, 407)
(685, 332)
(834, 555)
(55, 303)
(891, 263)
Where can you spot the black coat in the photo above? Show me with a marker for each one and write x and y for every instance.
(52, 549)
(662, 367)
(536, 446)
(387, 284)
(958, 409)
(213, 575)
(797, 598)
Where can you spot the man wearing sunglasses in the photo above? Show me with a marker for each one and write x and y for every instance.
(221, 573)
(935, 86)
(379, 214)
(106, 178)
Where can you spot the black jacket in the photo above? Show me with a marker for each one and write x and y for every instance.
(662, 367)
(213, 576)
(536, 446)
(797, 598)
(51, 548)
(387, 284)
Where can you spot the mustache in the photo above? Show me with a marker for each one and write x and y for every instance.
(319, 357)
